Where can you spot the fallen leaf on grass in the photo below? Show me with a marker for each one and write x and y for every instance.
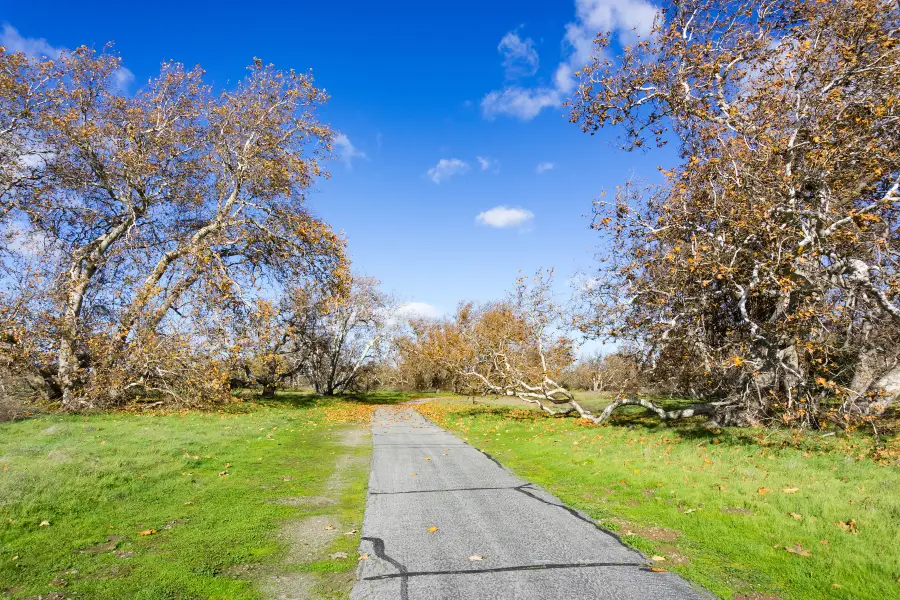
(763, 491)
(790, 490)
(690, 510)
(147, 532)
(836, 585)
(658, 558)
(188, 503)
(45, 524)
(351, 532)
(432, 529)
(285, 478)
(337, 555)
(796, 516)
(223, 473)
(475, 557)
(849, 526)
(798, 550)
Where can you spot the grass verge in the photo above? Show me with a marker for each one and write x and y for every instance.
(746, 513)
(165, 506)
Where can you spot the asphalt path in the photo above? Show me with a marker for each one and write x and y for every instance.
(444, 520)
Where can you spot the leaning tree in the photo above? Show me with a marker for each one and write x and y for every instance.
(138, 225)
(762, 276)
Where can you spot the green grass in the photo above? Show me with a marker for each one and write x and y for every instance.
(203, 482)
(713, 502)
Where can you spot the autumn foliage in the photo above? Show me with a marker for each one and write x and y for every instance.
(136, 227)
(762, 275)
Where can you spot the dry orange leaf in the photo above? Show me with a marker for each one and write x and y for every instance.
(412, 474)
(432, 529)
(329, 528)
(363, 557)
(763, 491)
(426, 458)
(798, 550)
(657, 569)
(148, 532)
(849, 526)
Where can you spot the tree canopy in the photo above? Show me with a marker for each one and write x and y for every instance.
(763, 274)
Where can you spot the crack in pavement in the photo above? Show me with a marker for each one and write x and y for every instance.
(503, 569)
(378, 549)
(571, 511)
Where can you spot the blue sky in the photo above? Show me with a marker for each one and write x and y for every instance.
(421, 90)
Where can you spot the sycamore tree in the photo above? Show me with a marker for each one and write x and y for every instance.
(514, 347)
(762, 276)
(136, 226)
(333, 338)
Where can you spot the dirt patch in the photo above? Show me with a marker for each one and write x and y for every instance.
(354, 437)
(293, 586)
(673, 556)
(307, 537)
(58, 456)
(310, 501)
(656, 534)
(337, 481)
(110, 544)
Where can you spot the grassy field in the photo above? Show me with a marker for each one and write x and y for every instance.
(750, 514)
(234, 504)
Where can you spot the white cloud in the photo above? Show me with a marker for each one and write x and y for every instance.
(447, 168)
(544, 167)
(522, 103)
(122, 78)
(502, 217)
(33, 47)
(488, 163)
(41, 48)
(418, 309)
(520, 59)
(626, 18)
(347, 151)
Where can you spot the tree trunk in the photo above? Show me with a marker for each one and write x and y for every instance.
(67, 365)
(268, 391)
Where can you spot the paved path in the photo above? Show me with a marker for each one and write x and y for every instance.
(533, 546)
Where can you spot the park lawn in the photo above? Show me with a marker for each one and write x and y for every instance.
(751, 514)
(165, 506)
